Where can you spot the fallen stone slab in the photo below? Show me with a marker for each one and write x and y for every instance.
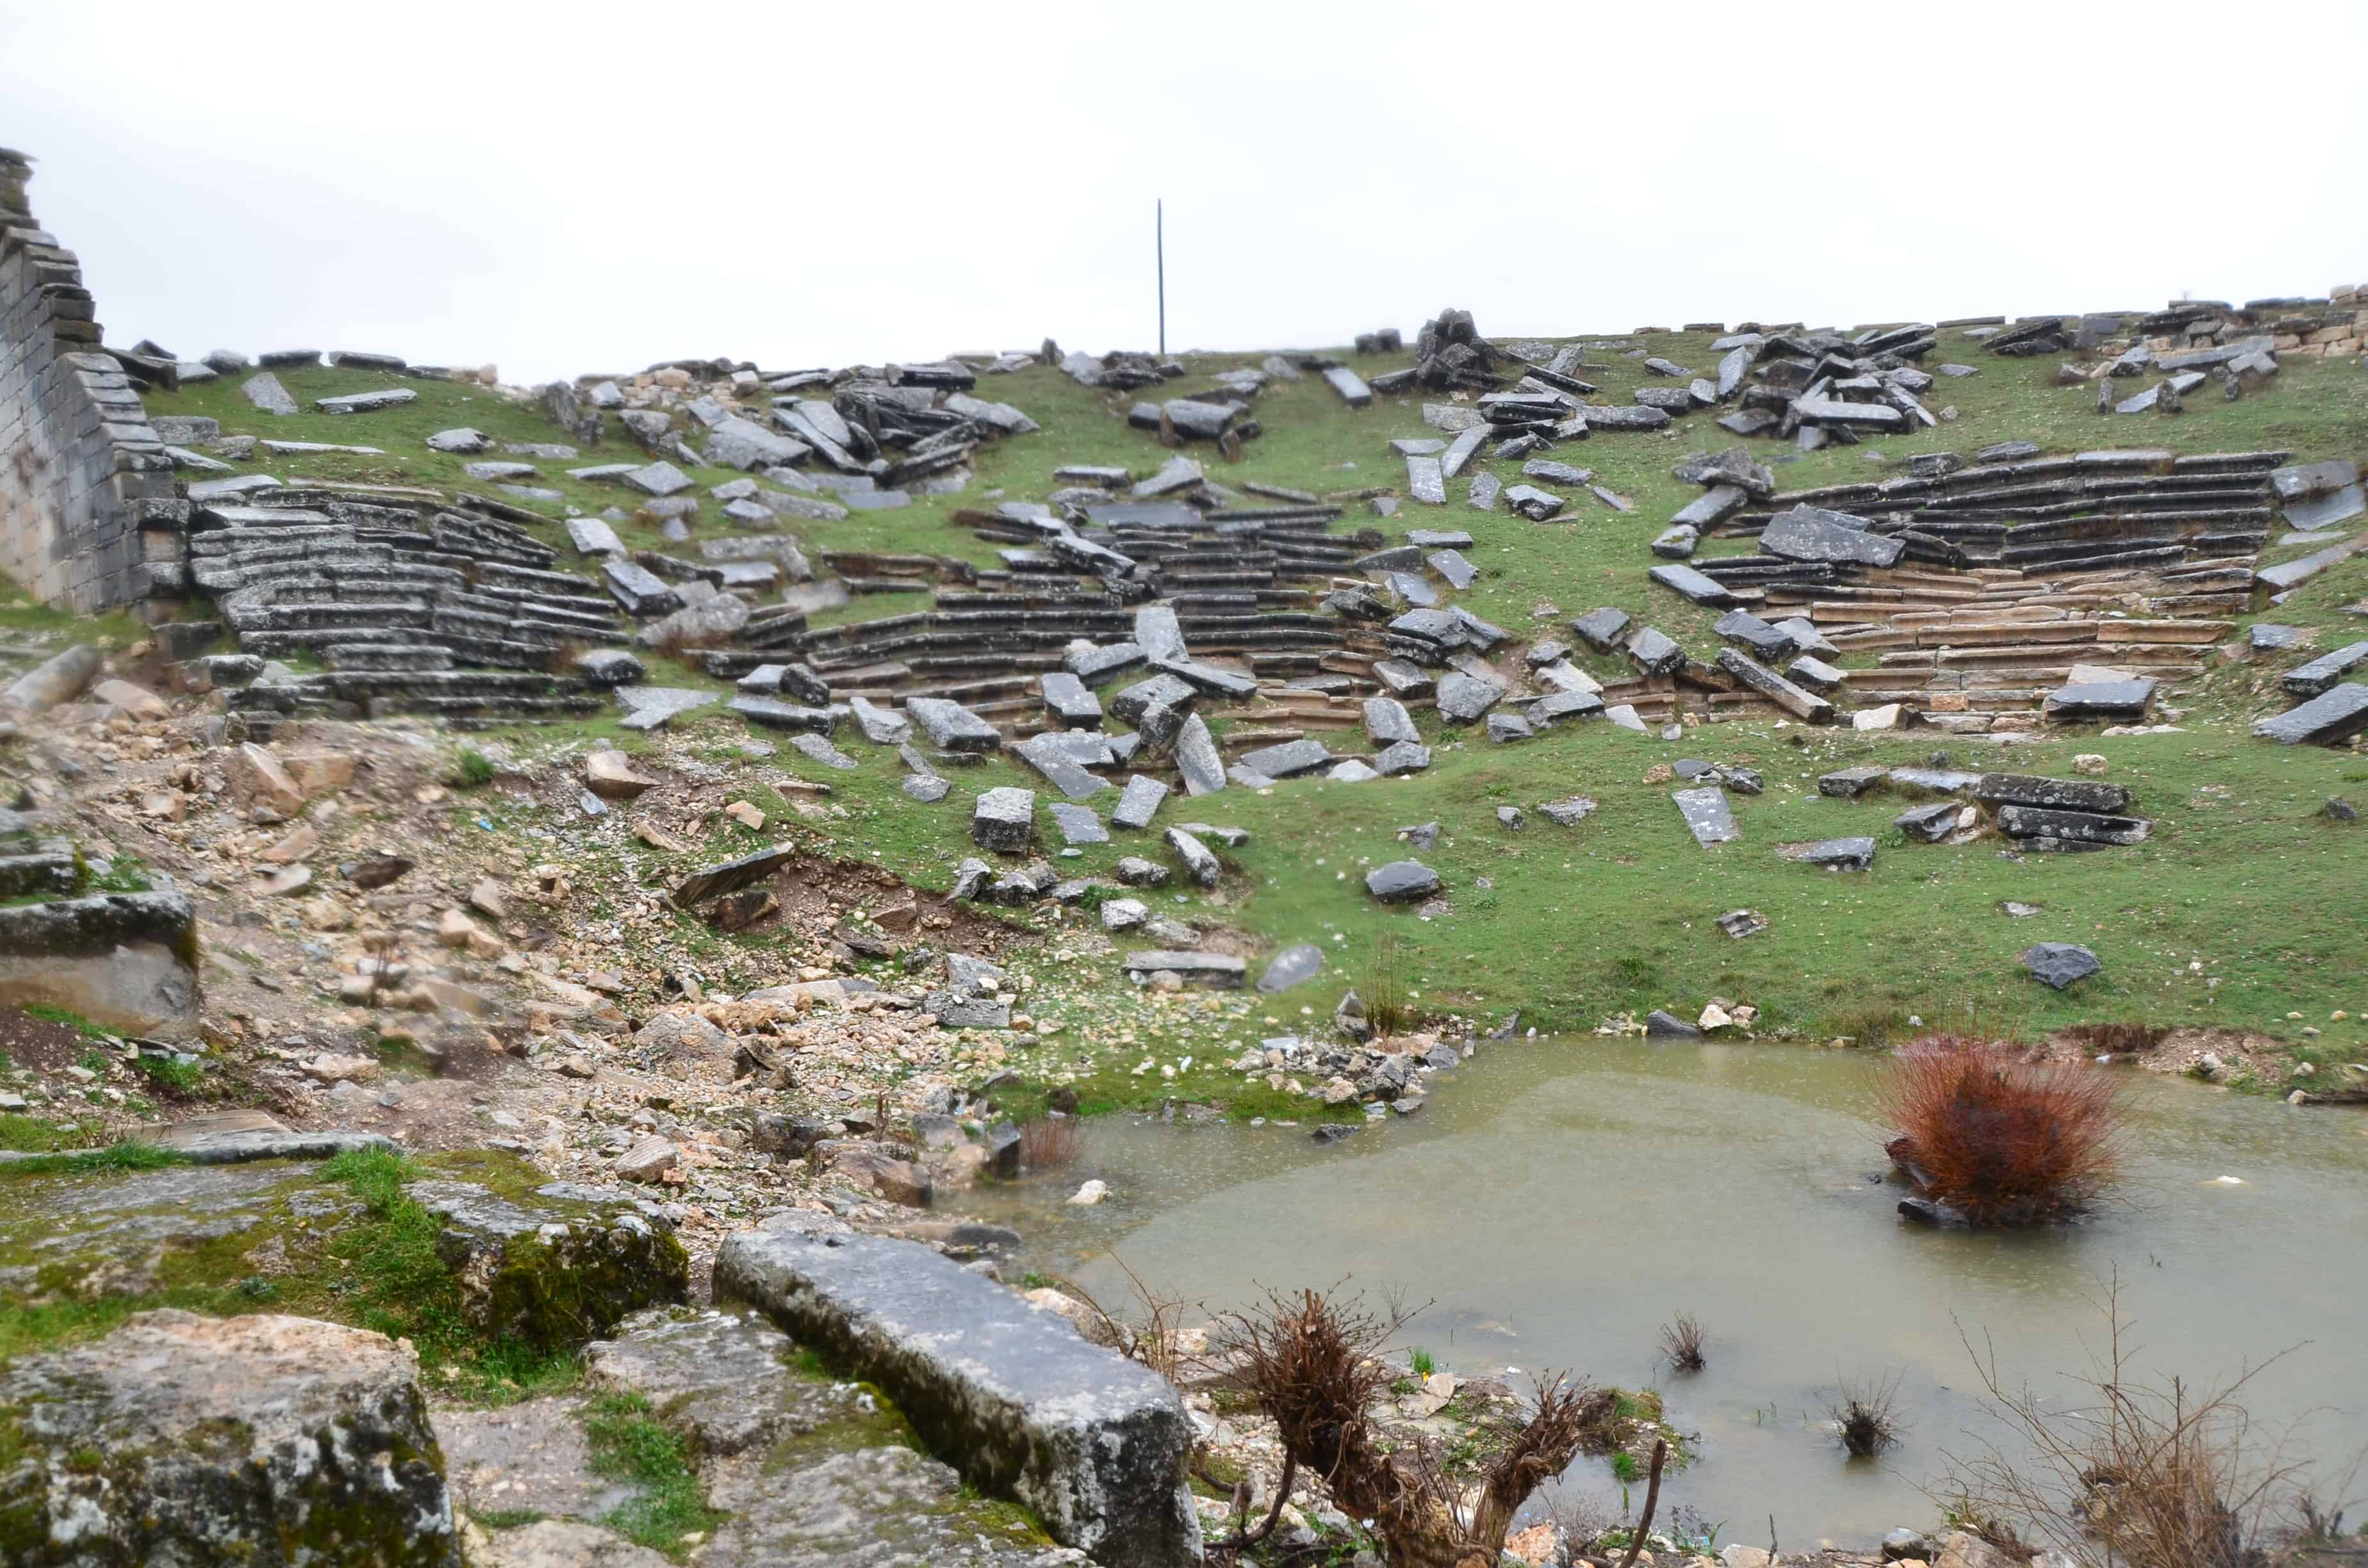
(2336, 714)
(367, 402)
(2293, 573)
(2071, 827)
(2051, 795)
(1692, 585)
(1835, 854)
(1402, 882)
(179, 1438)
(1464, 699)
(1004, 818)
(1801, 704)
(1139, 803)
(1096, 1445)
(951, 727)
(1196, 759)
(1706, 815)
(1200, 863)
(2310, 679)
(1812, 533)
(2059, 965)
(239, 1137)
(1930, 822)
(1400, 758)
(1210, 971)
(264, 390)
(730, 876)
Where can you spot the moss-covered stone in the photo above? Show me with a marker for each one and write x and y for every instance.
(265, 1441)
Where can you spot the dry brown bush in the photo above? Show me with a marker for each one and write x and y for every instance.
(2153, 1476)
(1049, 1142)
(2004, 1139)
(1316, 1369)
(1682, 1342)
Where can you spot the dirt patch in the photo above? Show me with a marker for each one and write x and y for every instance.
(41, 1044)
(2176, 1051)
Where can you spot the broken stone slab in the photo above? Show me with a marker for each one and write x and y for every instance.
(652, 707)
(229, 1138)
(1835, 854)
(2059, 965)
(1801, 704)
(2051, 795)
(2310, 679)
(1463, 700)
(1849, 783)
(730, 876)
(2295, 481)
(1930, 822)
(2293, 573)
(1350, 385)
(2336, 714)
(264, 390)
(1677, 543)
(1004, 820)
(2326, 509)
(1388, 722)
(1290, 758)
(1139, 803)
(1210, 971)
(1481, 496)
(1200, 863)
(1813, 533)
(1294, 965)
(1555, 706)
(951, 727)
(1692, 585)
(1400, 758)
(1096, 1445)
(182, 1438)
(792, 716)
(367, 402)
(1706, 815)
(1538, 506)
(816, 748)
(1402, 882)
(2113, 702)
(1066, 698)
(1197, 757)
(1655, 652)
(2071, 827)
(1425, 480)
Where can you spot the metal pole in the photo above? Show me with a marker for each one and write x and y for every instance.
(1159, 241)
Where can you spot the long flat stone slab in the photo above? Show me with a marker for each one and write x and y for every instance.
(1024, 1407)
(2291, 573)
(2336, 714)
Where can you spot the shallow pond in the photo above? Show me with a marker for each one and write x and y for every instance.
(1560, 1200)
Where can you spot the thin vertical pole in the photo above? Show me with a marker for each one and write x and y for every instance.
(1159, 242)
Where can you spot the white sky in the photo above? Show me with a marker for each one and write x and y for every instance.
(564, 189)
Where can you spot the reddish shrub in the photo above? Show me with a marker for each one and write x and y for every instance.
(2004, 1141)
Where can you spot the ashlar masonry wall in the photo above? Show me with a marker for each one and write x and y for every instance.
(82, 477)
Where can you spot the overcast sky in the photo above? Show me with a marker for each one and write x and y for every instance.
(565, 189)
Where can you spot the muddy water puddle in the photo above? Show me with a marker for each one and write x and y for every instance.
(1559, 1200)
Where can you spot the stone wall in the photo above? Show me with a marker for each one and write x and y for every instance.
(87, 509)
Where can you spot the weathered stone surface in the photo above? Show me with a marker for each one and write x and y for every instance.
(1402, 882)
(264, 390)
(1401, 757)
(1094, 1444)
(1706, 815)
(951, 727)
(1200, 863)
(1197, 757)
(1464, 699)
(1812, 533)
(1290, 758)
(1295, 965)
(1004, 820)
(2336, 714)
(124, 961)
(1701, 588)
(2111, 700)
(1836, 854)
(184, 1439)
(1930, 822)
(2060, 964)
(1139, 803)
(2310, 679)
(1784, 693)
(2051, 795)
(2058, 828)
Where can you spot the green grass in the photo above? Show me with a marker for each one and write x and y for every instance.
(128, 1156)
(66, 1018)
(1422, 1363)
(630, 1443)
(26, 1134)
(165, 1072)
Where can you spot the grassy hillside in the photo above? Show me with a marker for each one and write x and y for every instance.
(2241, 910)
